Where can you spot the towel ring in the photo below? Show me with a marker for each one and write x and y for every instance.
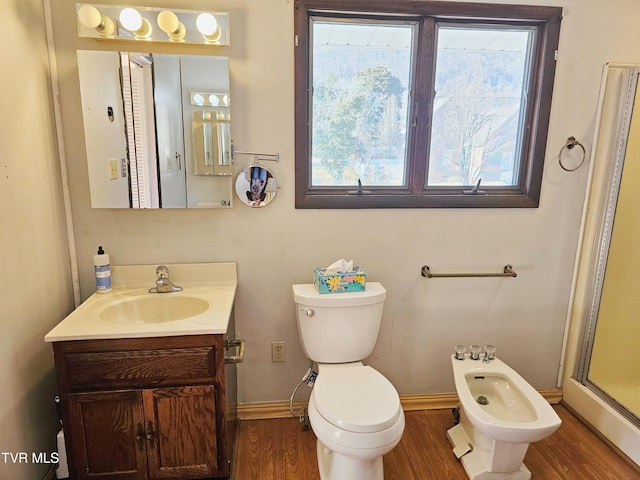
(571, 142)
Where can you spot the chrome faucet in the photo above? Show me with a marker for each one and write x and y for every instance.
(163, 283)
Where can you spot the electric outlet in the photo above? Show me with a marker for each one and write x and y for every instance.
(279, 351)
(114, 170)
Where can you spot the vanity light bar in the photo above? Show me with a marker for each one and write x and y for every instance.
(151, 24)
(209, 99)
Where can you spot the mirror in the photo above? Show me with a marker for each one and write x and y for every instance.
(211, 143)
(157, 129)
(256, 186)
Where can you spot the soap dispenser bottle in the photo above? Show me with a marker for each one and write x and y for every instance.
(103, 271)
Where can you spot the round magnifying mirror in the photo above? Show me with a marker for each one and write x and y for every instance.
(256, 186)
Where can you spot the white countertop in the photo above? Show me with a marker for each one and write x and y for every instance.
(214, 282)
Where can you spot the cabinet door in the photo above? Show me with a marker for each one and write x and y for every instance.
(107, 433)
(183, 420)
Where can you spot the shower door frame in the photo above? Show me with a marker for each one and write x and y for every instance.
(606, 212)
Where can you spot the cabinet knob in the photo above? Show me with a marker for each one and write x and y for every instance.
(150, 434)
(140, 436)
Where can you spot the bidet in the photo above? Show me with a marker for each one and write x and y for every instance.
(500, 414)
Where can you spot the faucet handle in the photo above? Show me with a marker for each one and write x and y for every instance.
(162, 271)
(460, 352)
(475, 352)
(490, 351)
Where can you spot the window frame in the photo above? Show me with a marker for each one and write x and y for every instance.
(526, 194)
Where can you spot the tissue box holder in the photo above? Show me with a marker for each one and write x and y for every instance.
(341, 282)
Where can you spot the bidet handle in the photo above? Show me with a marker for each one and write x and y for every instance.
(490, 352)
(475, 352)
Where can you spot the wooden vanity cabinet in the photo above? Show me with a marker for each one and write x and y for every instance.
(146, 408)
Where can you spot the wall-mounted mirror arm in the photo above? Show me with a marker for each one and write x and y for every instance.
(257, 156)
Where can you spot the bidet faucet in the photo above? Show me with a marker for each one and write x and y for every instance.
(489, 353)
(163, 283)
(475, 352)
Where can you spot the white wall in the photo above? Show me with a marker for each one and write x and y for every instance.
(35, 285)
(279, 245)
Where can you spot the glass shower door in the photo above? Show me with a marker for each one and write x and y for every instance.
(612, 368)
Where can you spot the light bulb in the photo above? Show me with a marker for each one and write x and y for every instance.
(168, 21)
(171, 25)
(207, 25)
(131, 19)
(198, 99)
(90, 17)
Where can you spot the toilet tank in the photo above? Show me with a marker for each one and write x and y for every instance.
(339, 327)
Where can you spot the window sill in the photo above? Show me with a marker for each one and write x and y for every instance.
(344, 201)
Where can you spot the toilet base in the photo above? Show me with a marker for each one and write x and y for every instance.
(476, 462)
(334, 466)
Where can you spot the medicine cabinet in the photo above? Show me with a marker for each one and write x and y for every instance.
(157, 129)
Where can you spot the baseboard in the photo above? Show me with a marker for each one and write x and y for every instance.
(269, 410)
(551, 395)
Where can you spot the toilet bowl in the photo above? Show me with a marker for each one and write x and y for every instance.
(354, 410)
(500, 415)
(356, 415)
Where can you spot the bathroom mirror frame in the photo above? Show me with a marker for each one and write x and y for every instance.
(146, 156)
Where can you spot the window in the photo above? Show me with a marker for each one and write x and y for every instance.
(422, 104)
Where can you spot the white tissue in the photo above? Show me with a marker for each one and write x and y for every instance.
(340, 266)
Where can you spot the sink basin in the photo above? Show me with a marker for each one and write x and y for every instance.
(203, 307)
(155, 308)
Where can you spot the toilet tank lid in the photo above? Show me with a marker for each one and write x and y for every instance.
(306, 294)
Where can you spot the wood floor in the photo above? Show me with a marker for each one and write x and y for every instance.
(281, 450)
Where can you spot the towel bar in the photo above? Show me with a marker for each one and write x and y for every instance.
(506, 272)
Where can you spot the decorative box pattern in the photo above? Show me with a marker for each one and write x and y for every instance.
(340, 282)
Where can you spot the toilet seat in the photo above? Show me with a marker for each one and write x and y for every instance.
(356, 398)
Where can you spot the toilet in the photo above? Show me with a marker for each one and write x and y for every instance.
(500, 415)
(354, 410)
